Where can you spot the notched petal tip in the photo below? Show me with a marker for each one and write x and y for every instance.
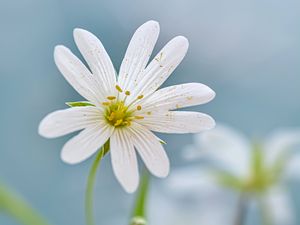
(182, 41)
(211, 123)
(209, 93)
(60, 51)
(152, 24)
(212, 94)
(42, 129)
(67, 158)
(130, 188)
(80, 35)
(79, 31)
(164, 172)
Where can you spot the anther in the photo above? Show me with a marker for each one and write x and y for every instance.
(111, 116)
(139, 107)
(140, 96)
(111, 98)
(118, 122)
(127, 93)
(106, 103)
(119, 88)
(139, 117)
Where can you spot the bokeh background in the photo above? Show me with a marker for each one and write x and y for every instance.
(247, 51)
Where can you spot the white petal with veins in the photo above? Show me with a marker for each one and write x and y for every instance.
(123, 159)
(137, 55)
(161, 67)
(150, 150)
(62, 122)
(76, 74)
(86, 143)
(178, 96)
(97, 58)
(178, 122)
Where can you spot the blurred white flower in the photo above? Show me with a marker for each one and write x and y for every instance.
(125, 109)
(232, 168)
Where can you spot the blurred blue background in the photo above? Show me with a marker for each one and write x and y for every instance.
(247, 51)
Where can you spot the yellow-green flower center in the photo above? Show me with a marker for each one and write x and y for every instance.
(262, 176)
(117, 113)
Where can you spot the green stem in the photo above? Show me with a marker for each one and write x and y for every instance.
(19, 208)
(139, 212)
(89, 194)
(241, 210)
(265, 213)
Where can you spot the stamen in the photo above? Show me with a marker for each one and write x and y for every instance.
(135, 100)
(118, 112)
(111, 116)
(119, 88)
(111, 98)
(127, 123)
(118, 122)
(106, 103)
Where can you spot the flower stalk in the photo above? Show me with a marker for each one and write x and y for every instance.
(241, 210)
(18, 208)
(139, 212)
(265, 214)
(89, 195)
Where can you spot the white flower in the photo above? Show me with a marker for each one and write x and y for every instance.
(125, 109)
(233, 166)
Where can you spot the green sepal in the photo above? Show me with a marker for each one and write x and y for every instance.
(162, 142)
(79, 104)
(229, 180)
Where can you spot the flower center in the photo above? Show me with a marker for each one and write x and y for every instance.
(261, 178)
(118, 113)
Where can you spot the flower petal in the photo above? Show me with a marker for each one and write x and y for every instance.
(150, 150)
(160, 68)
(292, 170)
(178, 122)
(193, 182)
(190, 196)
(124, 161)
(76, 74)
(66, 121)
(86, 143)
(280, 207)
(137, 55)
(97, 58)
(281, 142)
(179, 96)
(226, 147)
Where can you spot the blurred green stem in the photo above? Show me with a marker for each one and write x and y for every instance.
(241, 210)
(265, 214)
(89, 194)
(139, 212)
(18, 208)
